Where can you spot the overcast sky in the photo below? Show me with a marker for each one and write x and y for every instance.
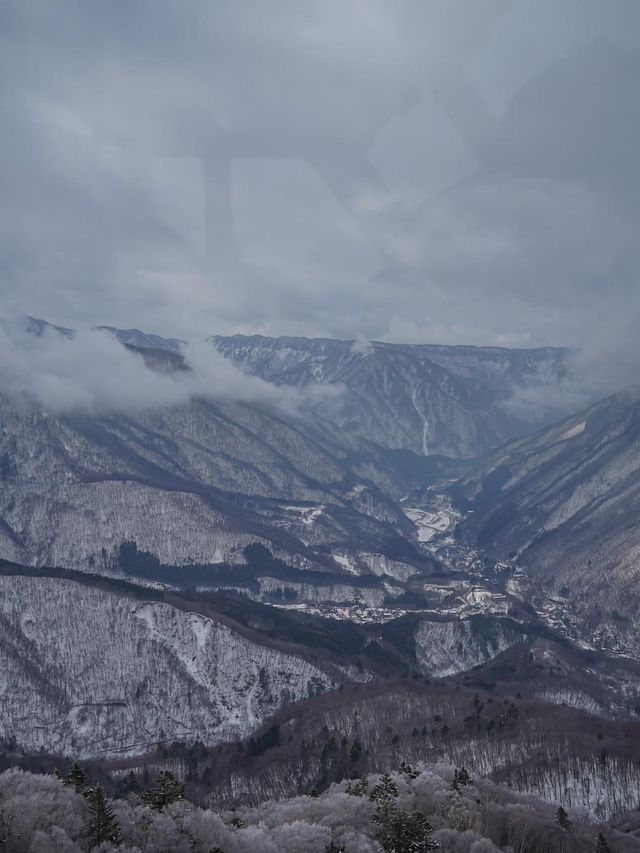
(428, 171)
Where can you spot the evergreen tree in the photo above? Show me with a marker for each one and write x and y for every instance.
(414, 834)
(385, 794)
(385, 791)
(127, 785)
(356, 751)
(76, 778)
(563, 819)
(4, 832)
(103, 826)
(461, 778)
(398, 831)
(167, 790)
(408, 770)
(601, 844)
(401, 832)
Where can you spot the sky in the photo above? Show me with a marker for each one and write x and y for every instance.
(421, 171)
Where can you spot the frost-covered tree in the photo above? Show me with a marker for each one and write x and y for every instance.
(54, 840)
(42, 815)
(358, 787)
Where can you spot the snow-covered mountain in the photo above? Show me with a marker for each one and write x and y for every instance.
(452, 400)
(322, 510)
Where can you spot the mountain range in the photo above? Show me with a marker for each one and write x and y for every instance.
(451, 400)
(180, 573)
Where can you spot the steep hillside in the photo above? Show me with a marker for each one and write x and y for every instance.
(108, 667)
(565, 506)
(87, 671)
(456, 401)
(195, 483)
(198, 483)
(553, 751)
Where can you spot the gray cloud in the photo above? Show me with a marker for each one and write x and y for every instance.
(398, 170)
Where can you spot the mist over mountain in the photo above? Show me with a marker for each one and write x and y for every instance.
(264, 520)
(90, 372)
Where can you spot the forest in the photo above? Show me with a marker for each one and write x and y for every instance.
(413, 810)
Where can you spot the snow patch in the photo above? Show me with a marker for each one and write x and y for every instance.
(573, 431)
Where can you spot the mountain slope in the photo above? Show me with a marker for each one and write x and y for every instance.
(456, 401)
(565, 505)
(107, 667)
(104, 673)
(496, 735)
(195, 483)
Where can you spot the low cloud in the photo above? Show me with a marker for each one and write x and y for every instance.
(549, 402)
(361, 346)
(93, 373)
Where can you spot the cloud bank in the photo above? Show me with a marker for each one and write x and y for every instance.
(92, 373)
(392, 168)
